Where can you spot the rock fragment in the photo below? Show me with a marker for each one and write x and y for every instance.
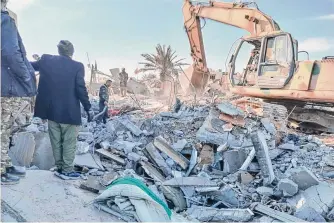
(288, 187)
(303, 177)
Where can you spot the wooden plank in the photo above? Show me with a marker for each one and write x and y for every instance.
(111, 156)
(164, 147)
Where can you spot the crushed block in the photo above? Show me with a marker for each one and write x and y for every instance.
(164, 147)
(157, 159)
(265, 191)
(288, 187)
(233, 160)
(206, 214)
(262, 154)
(303, 177)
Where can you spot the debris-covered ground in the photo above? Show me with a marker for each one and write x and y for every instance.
(204, 162)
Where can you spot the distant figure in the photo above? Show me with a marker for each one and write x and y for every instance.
(18, 86)
(61, 88)
(104, 99)
(123, 78)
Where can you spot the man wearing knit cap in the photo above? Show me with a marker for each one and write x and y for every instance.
(61, 89)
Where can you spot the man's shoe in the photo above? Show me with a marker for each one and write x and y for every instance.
(7, 179)
(16, 171)
(72, 174)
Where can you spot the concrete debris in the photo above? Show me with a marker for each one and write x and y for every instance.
(205, 214)
(92, 184)
(288, 187)
(265, 191)
(180, 144)
(275, 214)
(89, 160)
(164, 147)
(213, 163)
(157, 159)
(190, 181)
(233, 160)
(319, 197)
(23, 149)
(230, 109)
(132, 127)
(262, 155)
(309, 214)
(288, 146)
(303, 177)
(268, 125)
(110, 156)
(330, 215)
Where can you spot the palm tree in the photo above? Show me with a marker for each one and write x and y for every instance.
(164, 61)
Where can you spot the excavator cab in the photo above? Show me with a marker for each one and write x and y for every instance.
(271, 62)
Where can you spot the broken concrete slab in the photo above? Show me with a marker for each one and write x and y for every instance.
(330, 215)
(179, 145)
(274, 153)
(207, 134)
(156, 191)
(226, 195)
(319, 197)
(265, 191)
(132, 127)
(152, 171)
(158, 160)
(288, 187)
(190, 181)
(262, 154)
(288, 146)
(23, 149)
(309, 214)
(164, 147)
(193, 161)
(275, 214)
(303, 177)
(111, 156)
(248, 160)
(207, 214)
(233, 160)
(89, 160)
(230, 109)
(53, 201)
(268, 125)
(92, 184)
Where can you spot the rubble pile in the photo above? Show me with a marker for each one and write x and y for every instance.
(213, 164)
(204, 162)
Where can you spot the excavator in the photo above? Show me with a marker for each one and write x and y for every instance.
(272, 72)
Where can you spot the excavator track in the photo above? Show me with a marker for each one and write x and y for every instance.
(310, 117)
(305, 117)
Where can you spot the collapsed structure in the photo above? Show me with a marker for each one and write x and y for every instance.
(210, 163)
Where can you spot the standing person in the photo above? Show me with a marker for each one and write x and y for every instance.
(18, 86)
(104, 99)
(61, 88)
(123, 77)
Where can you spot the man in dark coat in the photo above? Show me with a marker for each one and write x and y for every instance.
(104, 99)
(61, 88)
(18, 86)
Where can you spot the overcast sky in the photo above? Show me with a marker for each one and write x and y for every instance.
(116, 32)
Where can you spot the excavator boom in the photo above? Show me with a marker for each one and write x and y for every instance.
(239, 15)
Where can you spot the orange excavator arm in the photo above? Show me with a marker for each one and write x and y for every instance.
(239, 15)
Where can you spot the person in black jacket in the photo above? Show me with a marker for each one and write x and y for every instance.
(18, 86)
(104, 99)
(61, 88)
